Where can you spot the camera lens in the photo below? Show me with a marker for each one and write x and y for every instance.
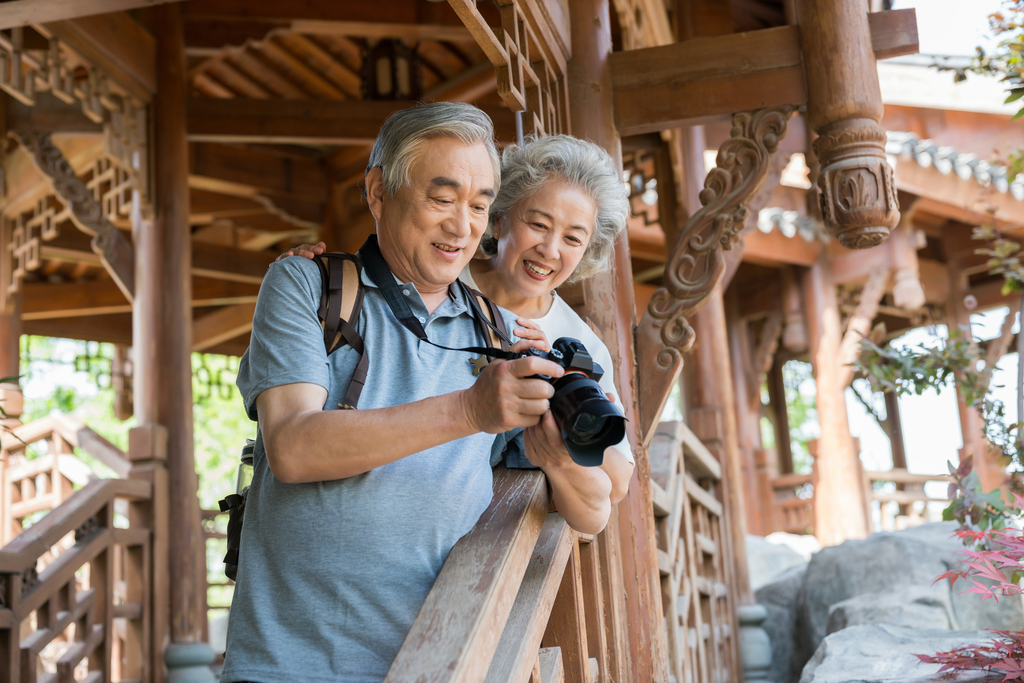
(588, 429)
(590, 423)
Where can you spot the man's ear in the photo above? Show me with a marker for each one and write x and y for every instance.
(375, 192)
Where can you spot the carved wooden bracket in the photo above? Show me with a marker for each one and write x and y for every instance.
(697, 263)
(113, 248)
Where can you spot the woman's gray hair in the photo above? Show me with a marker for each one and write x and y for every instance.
(401, 138)
(583, 165)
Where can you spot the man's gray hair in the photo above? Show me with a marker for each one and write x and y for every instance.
(401, 138)
(583, 165)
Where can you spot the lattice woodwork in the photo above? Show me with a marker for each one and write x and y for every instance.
(531, 68)
(695, 580)
(642, 23)
(93, 202)
(24, 73)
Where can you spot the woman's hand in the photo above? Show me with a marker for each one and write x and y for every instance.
(531, 330)
(306, 251)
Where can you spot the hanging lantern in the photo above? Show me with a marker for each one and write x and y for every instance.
(391, 72)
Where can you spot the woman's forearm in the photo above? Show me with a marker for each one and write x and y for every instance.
(581, 495)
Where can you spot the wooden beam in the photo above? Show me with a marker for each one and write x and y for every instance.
(378, 30)
(208, 260)
(658, 88)
(115, 328)
(305, 122)
(273, 11)
(50, 115)
(116, 44)
(951, 196)
(77, 299)
(775, 249)
(222, 325)
(25, 12)
(246, 172)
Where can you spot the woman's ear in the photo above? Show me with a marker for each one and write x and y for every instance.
(375, 192)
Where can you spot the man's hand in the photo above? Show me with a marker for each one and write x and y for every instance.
(503, 397)
(306, 251)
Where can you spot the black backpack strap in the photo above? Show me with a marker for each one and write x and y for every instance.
(341, 301)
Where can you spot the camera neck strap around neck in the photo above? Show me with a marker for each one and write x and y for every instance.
(378, 270)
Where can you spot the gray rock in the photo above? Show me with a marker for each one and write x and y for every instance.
(971, 613)
(779, 598)
(880, 563)
(767, 560)
(883, 653)
(925, 607)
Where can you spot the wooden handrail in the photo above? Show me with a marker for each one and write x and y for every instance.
(25, 549)
(75, 433)
(459, 626)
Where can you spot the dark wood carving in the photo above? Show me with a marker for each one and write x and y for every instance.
(857, 189)
(113, 248)
(697, 262)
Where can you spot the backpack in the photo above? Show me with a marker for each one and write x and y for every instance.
(341, 301)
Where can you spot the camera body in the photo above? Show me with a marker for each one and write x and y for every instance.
(589, 422)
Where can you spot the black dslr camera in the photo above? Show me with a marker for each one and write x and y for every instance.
(589, 422)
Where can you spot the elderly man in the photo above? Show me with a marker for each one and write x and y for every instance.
(352, 513)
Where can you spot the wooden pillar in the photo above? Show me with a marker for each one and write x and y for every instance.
(747, 402)
(844, 105)
(10, 357)
(714, 421)
(162, 327)
(777, 399)
(975, 445)
(839, 511)
(609, 304)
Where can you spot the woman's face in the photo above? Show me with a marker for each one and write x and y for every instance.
(542, 240)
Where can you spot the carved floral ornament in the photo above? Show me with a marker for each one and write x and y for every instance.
(697, 263)
(857, 188)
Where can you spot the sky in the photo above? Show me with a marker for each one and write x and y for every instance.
(951, 27)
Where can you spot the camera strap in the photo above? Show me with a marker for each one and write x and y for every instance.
(378, 270)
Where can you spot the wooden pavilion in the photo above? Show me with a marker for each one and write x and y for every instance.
(159, 155)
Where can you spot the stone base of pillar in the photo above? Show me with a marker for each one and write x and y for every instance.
(189, 663)
(755, 645)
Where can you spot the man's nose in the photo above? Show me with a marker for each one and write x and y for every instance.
(460, 224)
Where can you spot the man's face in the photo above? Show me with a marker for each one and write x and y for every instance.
(429, 230)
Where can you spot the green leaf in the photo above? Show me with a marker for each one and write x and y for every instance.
(1014, 95)
(947, 513)
(1017, 115)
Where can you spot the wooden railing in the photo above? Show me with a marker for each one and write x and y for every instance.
(89, 605)
(28, 487)
(692, 559)
(909, 491)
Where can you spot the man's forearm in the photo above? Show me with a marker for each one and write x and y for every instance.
(334, 444)
(581, 495)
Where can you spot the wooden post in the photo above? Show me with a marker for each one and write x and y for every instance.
(839, 512)
(747, 404)
(162, 327)
(844, 105)
(777, 399)
(10, 358)
(609, 304)
(713, 398)
(959, 318)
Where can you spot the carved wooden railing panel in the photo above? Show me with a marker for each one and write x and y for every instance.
(529, 53)
(91, 599)
(696, 578)
(697, 262)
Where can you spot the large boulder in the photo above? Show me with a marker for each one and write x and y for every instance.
(767, 560)
(910, 606)
(883, 653)
(779, 598)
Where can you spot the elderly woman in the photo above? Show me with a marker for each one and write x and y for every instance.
(560, 206)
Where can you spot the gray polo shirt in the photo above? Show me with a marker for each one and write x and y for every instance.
(332, 574)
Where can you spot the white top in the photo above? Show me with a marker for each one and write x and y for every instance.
(562, 321)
